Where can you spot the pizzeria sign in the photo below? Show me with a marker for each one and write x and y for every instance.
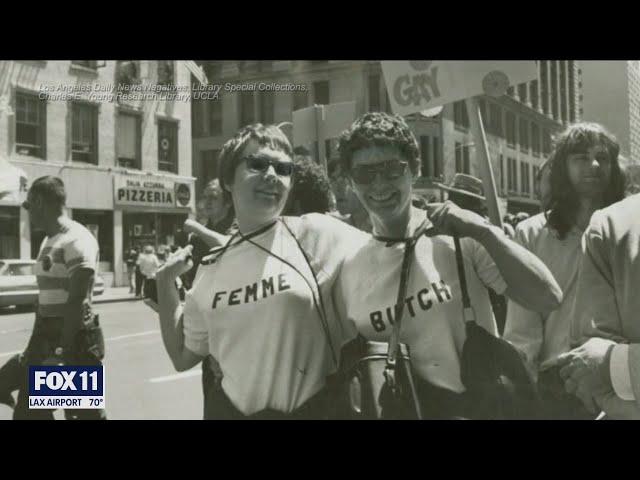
(137, 192)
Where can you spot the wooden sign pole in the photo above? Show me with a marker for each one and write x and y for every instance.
(484, 161)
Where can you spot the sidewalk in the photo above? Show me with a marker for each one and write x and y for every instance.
(115, 294)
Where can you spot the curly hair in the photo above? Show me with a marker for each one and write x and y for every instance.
(564, 201)
(264, 135)
(311, 191)
(379, 129)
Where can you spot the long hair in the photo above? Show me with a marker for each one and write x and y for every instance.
(564, 201)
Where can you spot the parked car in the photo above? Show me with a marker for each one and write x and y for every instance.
(18, 285)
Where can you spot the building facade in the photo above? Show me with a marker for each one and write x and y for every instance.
(519, 125)
(119, 135)
(611, 96)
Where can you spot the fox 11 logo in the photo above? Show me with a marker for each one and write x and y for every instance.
(69, 387)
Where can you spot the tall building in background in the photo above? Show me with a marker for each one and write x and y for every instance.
(611, 96)
(125, 160)
(519, 125)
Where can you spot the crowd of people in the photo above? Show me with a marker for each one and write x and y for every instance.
(287, 268)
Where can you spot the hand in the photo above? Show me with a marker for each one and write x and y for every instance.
(585, 371)
(190, 226)
(449, 219)
(177, 263)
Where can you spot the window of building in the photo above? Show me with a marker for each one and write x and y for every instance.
(31, 125)
(511, 129)
(84, 133)
(128, 140)
(166, 72)
(535, 139)
(563, 90)
(321, 92)
(300, 99)
(437, 159)
(524, 135)
(168, 146)
(536, 183)
(495, 119)
(533, 88)
(463, 159)
(501, 173)
(198, 111)
(524, 178)
(572, 91)
(460, 115)
(544, 91)
(546, 143)
(247, 111)
(512, 175)
(92, 64)
(128, 72)
(554, 89)
(215, 116)
(267, 106)
(522, 93)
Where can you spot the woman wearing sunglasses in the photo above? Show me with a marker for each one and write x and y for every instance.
(380, 155)
(261, 304)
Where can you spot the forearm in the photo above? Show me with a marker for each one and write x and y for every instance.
(74, 315)
(529, 281)
(170, 312)
(210, 237)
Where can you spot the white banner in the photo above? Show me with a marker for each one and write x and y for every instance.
(414, 86)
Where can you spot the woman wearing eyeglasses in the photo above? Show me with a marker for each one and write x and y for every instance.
(380, 155)
(261, 304)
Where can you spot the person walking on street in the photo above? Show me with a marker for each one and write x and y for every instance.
(64, 329)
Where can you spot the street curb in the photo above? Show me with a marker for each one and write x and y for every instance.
(114, 300)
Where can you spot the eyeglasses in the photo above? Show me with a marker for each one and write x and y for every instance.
(390, 170)
(260, 164)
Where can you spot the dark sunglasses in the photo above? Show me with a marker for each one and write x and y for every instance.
(260, 164)
(390, 170)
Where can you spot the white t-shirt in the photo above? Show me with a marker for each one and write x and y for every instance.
(256, 315)
(544, 337)
(432, 324)
(60, 256)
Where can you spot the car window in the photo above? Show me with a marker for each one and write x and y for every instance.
(17, 270)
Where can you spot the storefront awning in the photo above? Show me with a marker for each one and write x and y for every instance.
(13, 183)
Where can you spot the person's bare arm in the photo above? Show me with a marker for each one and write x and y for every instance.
(210, 237)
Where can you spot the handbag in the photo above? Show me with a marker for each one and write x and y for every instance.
(377, 379)
(492, 370)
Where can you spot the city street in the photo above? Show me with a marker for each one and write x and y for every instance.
(140, 380)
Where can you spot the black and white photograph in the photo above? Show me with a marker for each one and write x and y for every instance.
(320, 240)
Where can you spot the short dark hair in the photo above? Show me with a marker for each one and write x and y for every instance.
(379, 129)
(51, 189)
(564, 202)
(264, 135)
(311, 189)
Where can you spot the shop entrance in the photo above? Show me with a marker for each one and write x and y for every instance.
(156, 229)
(100, 223)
